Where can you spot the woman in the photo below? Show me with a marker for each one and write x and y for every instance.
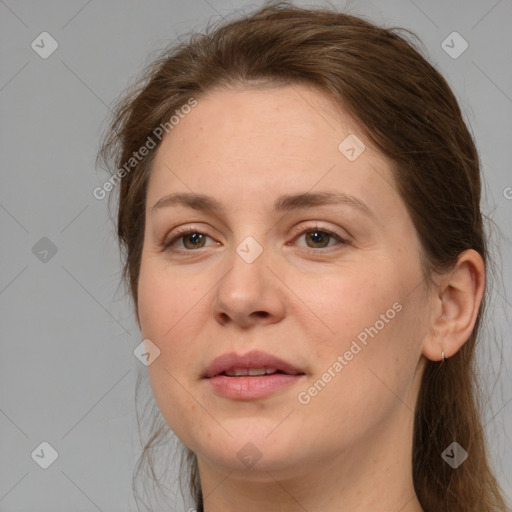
(299, 202)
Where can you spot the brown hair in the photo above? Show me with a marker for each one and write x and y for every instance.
(408, 111)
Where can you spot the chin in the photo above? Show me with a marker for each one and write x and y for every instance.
(252, 453)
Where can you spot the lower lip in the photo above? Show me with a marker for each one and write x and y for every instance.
(247, 388)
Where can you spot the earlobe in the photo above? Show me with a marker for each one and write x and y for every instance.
(459, 297)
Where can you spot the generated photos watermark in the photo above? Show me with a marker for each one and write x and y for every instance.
(304, 397)
(137, 156)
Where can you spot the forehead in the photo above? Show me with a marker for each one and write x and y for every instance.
(260, 143)
(287, 121)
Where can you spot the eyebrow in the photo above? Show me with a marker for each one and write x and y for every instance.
(284, 203)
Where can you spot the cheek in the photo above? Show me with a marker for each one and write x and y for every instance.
(376, 339)
(167, 298)
(170, 315)
(346, 303)
(366, 318)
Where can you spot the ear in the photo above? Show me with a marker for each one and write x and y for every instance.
(457, 300)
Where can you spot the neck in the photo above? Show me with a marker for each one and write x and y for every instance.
(374, 475)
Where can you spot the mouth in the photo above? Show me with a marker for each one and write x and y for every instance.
(250, 376)
(251, 364)
(254, 372)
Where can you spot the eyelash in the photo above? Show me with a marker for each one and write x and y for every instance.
(166, 246)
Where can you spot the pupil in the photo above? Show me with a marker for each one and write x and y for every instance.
(194, 238)
(316, 236)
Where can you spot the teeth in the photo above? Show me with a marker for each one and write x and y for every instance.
(239, 372)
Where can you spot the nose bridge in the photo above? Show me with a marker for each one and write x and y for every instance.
(249, 249)
(246, 278)
(246, 291)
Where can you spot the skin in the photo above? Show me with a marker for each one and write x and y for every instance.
(349, 448)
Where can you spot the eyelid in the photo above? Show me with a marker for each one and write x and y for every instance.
(179, 232)
(298, 231)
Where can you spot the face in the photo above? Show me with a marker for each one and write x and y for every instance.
(330, 284)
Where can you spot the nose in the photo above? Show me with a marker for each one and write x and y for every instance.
(250, 293)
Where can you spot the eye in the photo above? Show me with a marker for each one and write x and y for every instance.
(191, 239)
(320, 238)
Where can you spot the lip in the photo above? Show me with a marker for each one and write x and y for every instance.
(250, 387)
(254, 359)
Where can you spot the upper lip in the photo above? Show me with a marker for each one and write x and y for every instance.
(254, 359)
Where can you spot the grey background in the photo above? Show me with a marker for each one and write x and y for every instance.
(67, 371)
